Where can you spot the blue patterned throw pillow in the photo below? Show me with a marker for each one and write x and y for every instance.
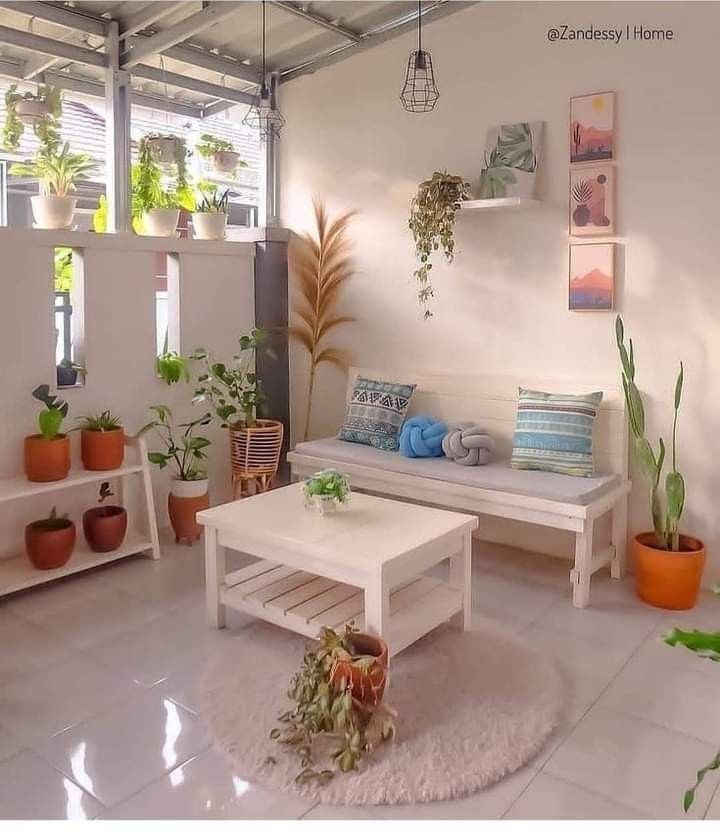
(554, 432)
(375, 413)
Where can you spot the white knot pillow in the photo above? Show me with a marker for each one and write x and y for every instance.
(468, 443)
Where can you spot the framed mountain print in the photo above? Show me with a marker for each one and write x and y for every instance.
(591, 285)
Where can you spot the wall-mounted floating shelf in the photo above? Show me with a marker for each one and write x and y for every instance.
(501, 203)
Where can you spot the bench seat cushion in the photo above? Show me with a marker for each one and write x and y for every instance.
(497, 476)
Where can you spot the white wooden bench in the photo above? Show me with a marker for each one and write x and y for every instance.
(569, 503)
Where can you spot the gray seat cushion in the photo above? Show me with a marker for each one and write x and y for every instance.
(497, 476)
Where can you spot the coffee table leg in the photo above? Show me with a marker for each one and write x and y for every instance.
(377, 607)
(215, 570)
(460, 578)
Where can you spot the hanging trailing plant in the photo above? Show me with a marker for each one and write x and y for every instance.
(42, 110)
(432, 220)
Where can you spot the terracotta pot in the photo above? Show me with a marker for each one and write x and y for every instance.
(670, 580)
(49, 547)
(102, 450)
(184, 501)
(47, 460)
(105, 527)
(368, 685)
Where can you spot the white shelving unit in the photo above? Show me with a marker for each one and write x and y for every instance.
(18, 573)
(501, 203)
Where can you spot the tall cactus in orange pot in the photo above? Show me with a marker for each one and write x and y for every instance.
(668, 564)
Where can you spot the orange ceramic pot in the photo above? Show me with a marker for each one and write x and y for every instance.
(105, 527)
(102, 450)
(50, 546)
(367, 684)
(186, 498)
(670, 580)
(47, 459)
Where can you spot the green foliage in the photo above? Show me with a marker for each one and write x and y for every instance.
(172, 367)
(53, 522)
(63, 269)
(57, 171)
(668, 509)
(516, 146)
(150, 189)
(183, 449)
(100, 215)
(496, 176)
(101, 422)
(105, 492)
(233, 390)
(432, 219)
(213, 201)
(329, 483)
(323, 707)
(50, 419)
(13, 128)
(210, 144)
(47, 129)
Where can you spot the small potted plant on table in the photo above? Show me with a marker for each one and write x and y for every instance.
(210, 216)
(185, 451)
(47, 454)
(220, 153)
(236, 395)
(49, 542)
(326, 490)
(105, 527)
(102, 441)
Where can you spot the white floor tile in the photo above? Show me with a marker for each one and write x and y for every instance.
(552, 798)
(117, 753)
(9, 744)
(633, 762)
(25, 648)
(31, 789)
(714, 808)
(510, 601)
(44, 703)
(45, 600)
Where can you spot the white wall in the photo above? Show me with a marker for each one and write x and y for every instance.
(502, 306)
(214, 286)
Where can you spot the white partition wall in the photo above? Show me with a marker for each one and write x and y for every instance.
(211, 303)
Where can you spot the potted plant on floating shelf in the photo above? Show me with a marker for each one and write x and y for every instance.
(57, 172)
(236, 396)
(210, 216)
(41, 110)
(105, 526)
(220, 153)
(49, 542)
(326, 490)
(338, 693)
(186, 452)
(47, 454)
(432, 219)
(668, 565)
(102, 441)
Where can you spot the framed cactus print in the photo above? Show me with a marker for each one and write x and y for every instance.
(592, 200)
(591, 282)
(592, 128)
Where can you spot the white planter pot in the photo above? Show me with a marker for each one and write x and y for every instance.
(30, 112)
(163, 150)
(52, 211)
(186, 489)
(209, 226)
(225, 161)
(161, 223)
(323, 504)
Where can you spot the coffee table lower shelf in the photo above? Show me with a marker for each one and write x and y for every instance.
(304, 603)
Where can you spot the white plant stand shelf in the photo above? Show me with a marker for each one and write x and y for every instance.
(362, 564)
(18, 573)
(501, 203)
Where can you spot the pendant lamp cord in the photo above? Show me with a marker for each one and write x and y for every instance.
(263, 43)
(419, 25)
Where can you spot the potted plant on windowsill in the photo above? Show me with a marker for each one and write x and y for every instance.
(102, 441)
(235, 393)
(47, 454)
(668, 565)
(105, 526)
(211, 215)
(49, 542)
(185, 452)
(57, 172)
(220, 153)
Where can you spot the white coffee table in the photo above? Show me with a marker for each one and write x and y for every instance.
(364, 563)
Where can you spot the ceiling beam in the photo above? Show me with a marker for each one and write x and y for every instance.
(217, 91)
(317, 20)
(216, 107)
(210, 15)
(49, 46)
(216, 63)
(147, 15)
(11, 67)
(62, 15)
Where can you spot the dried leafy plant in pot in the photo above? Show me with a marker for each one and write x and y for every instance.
(432, 222)
(47, 454)
(102, 441)
(105, 526)
(49, 542)
(337, 696)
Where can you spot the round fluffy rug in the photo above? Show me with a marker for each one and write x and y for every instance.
(472, 708)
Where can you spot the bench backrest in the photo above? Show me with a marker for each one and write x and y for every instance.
(492, 402)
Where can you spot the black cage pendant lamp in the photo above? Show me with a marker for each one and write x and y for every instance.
(263, 116)
(419, 93)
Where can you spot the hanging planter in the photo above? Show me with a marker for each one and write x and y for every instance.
(166, 149)
(41, 111)
(32, 111)
(219, 153)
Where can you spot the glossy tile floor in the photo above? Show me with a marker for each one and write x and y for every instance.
(98, 715)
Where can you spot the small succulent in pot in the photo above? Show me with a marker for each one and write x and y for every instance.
(326, 490)
(49, 542)
(102, 441)
(47, 453)
(105, 527)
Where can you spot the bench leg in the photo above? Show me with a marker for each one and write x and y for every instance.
(460, 578)
(619, 537)
(215, 569)
(582, 571)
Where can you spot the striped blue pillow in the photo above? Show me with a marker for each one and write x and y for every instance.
(554, 432)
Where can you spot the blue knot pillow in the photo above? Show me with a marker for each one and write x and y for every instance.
(421, 437)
